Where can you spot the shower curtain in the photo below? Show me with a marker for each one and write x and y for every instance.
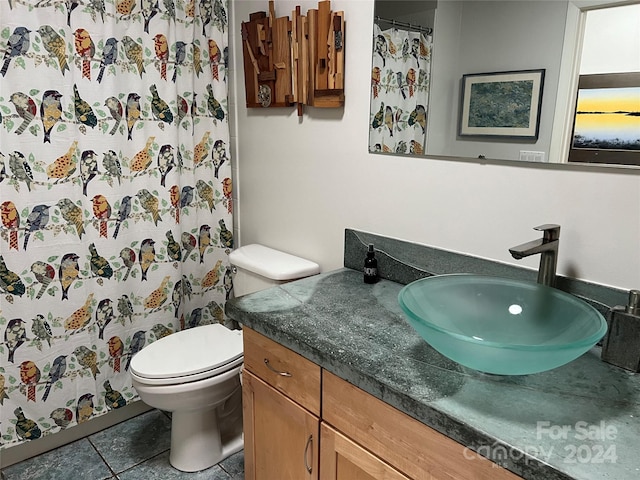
(115, 196)
(400, 79)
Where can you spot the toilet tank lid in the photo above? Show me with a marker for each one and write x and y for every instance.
(272, 264)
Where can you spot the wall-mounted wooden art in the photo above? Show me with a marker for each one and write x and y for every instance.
(294, 62)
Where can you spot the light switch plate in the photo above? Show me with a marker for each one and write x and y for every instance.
(529, 156)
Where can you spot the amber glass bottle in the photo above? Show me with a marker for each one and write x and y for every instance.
(370, 266)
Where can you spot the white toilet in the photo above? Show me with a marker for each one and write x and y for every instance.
(195, 373)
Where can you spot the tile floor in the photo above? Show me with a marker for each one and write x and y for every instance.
(133, 450)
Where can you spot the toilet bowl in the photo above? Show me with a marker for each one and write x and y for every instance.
(195, 373)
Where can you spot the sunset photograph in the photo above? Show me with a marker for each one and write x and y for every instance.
(608, 118)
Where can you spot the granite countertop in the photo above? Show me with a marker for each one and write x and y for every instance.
(580, 421)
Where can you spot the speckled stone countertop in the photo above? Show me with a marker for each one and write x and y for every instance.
(580, 421)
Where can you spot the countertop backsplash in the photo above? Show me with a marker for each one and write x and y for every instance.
(403, 262)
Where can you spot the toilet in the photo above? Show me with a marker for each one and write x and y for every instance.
(195, 373)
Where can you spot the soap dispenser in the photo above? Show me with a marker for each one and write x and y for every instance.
(621, 346)
(370, 266)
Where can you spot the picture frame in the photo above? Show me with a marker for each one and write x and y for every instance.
(606, 120)
(502, 104)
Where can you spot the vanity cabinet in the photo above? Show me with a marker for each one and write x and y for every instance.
(290, 403)
(281, 411)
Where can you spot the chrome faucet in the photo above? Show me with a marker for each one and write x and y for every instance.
(547, 247)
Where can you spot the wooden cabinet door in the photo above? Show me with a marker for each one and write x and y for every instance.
(342, 459)
(281, 438)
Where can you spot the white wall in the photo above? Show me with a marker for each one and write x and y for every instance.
(612, 40)
(300, 183)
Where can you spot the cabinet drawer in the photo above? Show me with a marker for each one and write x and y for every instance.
(283, 369)
(405, 443)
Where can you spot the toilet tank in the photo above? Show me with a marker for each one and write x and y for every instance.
(258, 267)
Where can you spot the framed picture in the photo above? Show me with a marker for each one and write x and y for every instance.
(502, 104)
(606, 127)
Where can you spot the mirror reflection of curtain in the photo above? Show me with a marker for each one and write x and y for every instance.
(400, 79)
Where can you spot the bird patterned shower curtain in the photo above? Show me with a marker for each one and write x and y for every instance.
(115, 196)
(400, 82)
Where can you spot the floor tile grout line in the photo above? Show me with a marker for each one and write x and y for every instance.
(140, 463)
(230, 474)
(116, 473)
(102, 457)
(224, 469)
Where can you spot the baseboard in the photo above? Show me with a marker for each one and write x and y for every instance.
(30, 449)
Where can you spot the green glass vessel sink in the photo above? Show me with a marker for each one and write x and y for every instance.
(501, 326)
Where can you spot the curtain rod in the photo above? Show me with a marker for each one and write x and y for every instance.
(396, 23)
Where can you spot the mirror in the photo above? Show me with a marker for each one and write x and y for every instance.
(490, 37)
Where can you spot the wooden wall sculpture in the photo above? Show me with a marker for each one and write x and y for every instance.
(294, 62)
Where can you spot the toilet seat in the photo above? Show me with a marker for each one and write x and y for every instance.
(188, 356)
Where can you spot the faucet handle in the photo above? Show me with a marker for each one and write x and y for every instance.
(551, 231)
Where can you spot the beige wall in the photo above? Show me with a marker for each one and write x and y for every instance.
(300, 183)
